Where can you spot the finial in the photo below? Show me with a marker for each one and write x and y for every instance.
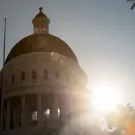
(40, 9)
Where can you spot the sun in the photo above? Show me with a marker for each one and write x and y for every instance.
(105, 98)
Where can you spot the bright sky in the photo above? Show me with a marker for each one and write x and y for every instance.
(100, 32)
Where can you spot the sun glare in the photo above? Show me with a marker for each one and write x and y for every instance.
(105, 98)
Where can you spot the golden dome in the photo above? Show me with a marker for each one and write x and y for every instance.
(41, 43)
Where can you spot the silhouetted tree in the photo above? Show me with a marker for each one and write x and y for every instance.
(133, 4)
(123, 120)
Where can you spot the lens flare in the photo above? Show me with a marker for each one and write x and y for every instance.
(105, 98)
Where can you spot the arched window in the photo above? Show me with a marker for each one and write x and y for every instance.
(22, 76)
(34, 115)
(47, 113)
(57, 75)
(34, 75)
(13, 79)
(45, 74)
(58, 112)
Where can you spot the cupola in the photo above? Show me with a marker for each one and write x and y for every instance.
(41, 23)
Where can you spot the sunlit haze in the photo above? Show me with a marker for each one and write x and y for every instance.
(105, 97)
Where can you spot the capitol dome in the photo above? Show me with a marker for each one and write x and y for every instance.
(41, 41)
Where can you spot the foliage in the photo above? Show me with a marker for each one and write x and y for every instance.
(123, 120)
(133, 4)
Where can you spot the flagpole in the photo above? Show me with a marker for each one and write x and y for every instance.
(2, 76)
(4, 42)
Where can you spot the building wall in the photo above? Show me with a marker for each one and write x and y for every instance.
(71, 75)
(54, 75)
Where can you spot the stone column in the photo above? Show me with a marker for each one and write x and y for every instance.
(70, 104)
(8, 115)
(16, 118)
(76, 104)
(23, 102)
(64, 108)
(54, 107)
(40, 111)
(22, 114)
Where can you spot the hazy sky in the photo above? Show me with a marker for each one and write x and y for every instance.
(100, 32)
